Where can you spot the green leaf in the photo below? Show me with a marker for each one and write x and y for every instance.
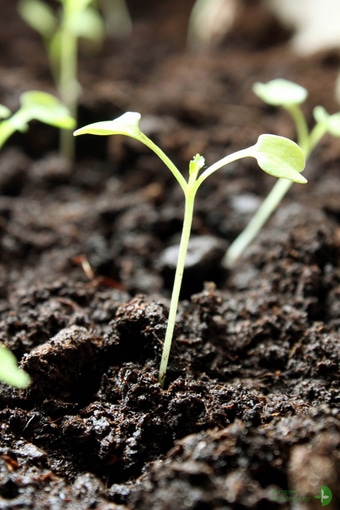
(9, 371)
(280, 92)
(280, 157)
(4, 112)
(39, 16)
(87, 24)
(331, 122)
(127, 124)
(47, 108)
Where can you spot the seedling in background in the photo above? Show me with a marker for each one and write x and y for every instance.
(289, 96)
(276, 155)
(35, 105)
(60, 32)
(48, 109)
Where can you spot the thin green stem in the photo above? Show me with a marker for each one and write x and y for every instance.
(244, 153)
(190, 188)
(302, 132)
(68, 84)
(166, 160)
(183, 248)
(318, 132)
(254, 226)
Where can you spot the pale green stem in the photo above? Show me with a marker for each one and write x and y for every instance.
(307, 141)
(183, 248)
(244, 153)
(245, 238)
(68, 84)
(315, 136)
(189, 191)
(190, 188)
(302, 132)
(167, 161)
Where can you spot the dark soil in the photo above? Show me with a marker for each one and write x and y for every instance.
(249, 417)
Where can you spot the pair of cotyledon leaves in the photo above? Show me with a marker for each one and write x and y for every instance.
(276, 155)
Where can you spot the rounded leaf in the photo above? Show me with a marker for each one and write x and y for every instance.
(127, 124)
(280, 157)
(46, 108)
(39, 16)
(9, 371)
(280, 92)
(331, 122)
(87, 24)
(320, 115)
(4, 112)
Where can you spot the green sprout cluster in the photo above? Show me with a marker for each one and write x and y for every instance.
(276, 155)
(290, 96)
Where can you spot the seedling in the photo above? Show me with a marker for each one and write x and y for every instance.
(289, 96)
(60, 32)
(34, 105)
(276, 155)
(48, 109)
(9, 371)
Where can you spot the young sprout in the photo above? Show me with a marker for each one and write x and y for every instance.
(276, 155)
(9, 371)
(60, 32)
(289, 96)
(34, 105)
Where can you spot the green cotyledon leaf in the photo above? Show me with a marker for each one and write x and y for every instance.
(280, 92)
(280, 157)
(127, 124)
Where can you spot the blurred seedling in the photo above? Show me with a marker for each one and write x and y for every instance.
(45, 108)
(61, 31)
(290, 96)
(275, 155)
(34, 105)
